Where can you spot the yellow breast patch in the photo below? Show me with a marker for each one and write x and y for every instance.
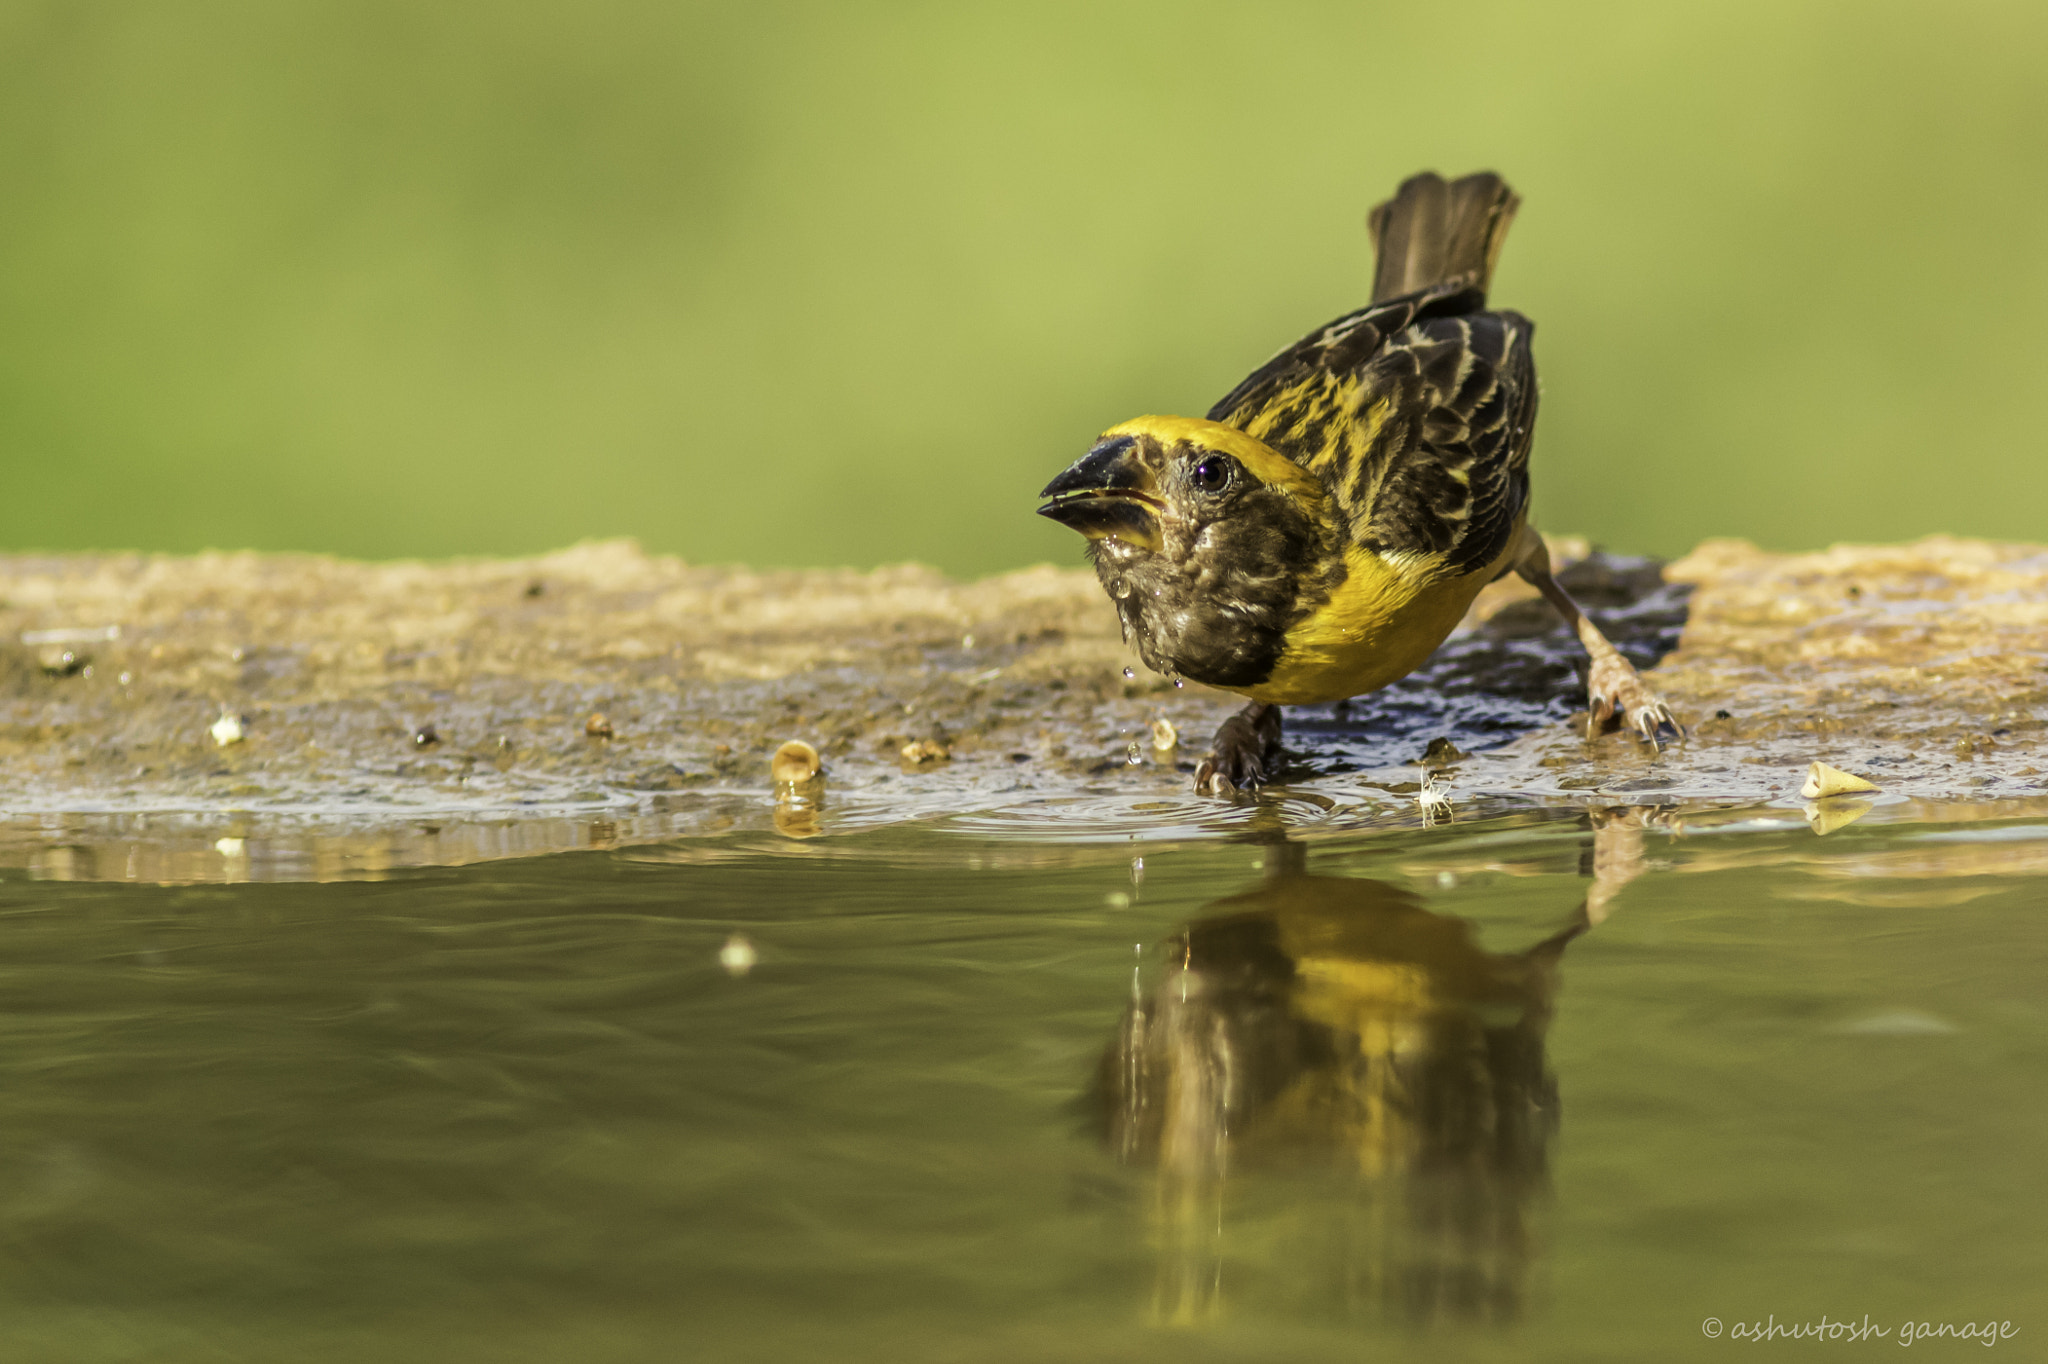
(1382, 623)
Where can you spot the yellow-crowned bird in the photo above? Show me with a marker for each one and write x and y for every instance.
(1325, 527)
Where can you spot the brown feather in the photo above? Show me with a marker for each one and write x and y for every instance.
(1435, 232)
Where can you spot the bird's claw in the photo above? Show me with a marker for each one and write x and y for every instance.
(1211, 781)
(1617, 695)
(1240, 758)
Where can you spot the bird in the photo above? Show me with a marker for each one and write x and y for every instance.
(1326, 525)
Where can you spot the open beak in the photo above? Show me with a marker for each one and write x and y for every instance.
(1109, 493)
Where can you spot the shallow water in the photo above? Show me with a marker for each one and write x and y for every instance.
(1547, 1085)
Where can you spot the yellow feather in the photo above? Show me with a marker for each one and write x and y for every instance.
(1266, 464)
(1382, 623)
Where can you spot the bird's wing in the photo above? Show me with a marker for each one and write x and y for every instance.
(1416, 413)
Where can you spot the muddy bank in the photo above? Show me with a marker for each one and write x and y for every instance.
(380, 714)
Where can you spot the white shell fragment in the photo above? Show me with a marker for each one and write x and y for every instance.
(228, 729)
(1823, 781)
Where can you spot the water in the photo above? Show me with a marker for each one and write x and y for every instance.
(1550, 1085)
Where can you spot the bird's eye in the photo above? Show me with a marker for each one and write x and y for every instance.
(1213, 474)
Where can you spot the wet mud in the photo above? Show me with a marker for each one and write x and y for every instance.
(232, 715)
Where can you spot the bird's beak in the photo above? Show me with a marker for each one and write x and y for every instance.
(1109, 493)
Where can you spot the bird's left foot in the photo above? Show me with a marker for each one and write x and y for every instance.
(1243, 754)
(1617, 695)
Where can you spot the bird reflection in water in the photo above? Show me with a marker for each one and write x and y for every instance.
(1353, 1085)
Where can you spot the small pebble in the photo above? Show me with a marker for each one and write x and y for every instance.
(228, 729)
(597, 726)
(738, 955)
(926, 752)
(1441, 752)
(795, 763)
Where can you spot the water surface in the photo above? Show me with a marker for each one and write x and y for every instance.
(1554, 1084)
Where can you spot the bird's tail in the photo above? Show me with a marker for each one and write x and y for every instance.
(1436, 232)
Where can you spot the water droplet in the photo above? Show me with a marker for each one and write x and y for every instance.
(1178, 683)
(1129, 673)
(738, 955)
(1132, 755)
(1137, 870)
(1121, 590)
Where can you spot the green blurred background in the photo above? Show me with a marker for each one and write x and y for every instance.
(845, 284)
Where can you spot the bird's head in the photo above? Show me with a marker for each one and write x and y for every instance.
(1205, 538)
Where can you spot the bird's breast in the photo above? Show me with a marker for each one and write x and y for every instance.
(1380, 624)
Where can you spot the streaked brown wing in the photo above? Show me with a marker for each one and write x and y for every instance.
(1417, 413)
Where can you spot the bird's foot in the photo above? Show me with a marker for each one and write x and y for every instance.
(1243, 754)
(1617, 695)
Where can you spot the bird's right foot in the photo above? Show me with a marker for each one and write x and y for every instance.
(1244, 753)
(1616, 695)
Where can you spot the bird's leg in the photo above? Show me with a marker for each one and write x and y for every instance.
(1615, 691)
(1246, 748)
(1618, 857)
